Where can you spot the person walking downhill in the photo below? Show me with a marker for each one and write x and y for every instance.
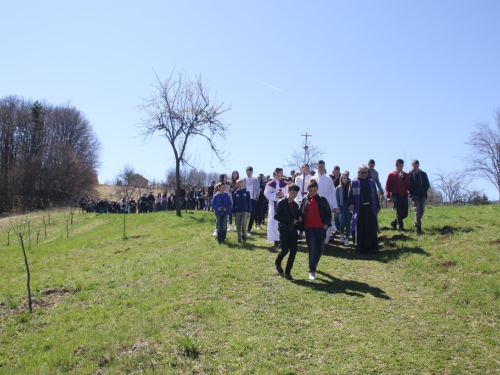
(242, 207)
(317, 218)
(252, 185)
(261, 203)
(276, 189)
(301, 180)
(222, 205)
(227, 189)
(326, 189)
(345, 218)
(418, 192)
(396, 190)
(363, 201)
(288, 216)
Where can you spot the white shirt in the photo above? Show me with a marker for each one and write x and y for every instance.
(249, 183)
(298, 181)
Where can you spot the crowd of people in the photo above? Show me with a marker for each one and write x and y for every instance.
(316, 205)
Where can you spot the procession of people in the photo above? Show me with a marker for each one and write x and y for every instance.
(305, 203)
(319, 206)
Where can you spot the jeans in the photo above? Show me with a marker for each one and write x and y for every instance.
(345, 221)
(221, 224)
(315, 238)
(336, 219)
(419, 205)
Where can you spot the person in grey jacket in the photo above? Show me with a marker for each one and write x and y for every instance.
(373, 174)
(418, 192)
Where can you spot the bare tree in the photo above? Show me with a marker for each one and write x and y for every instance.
(310, 157)
(454, 186)
(485, 158)
(126, 182)
(434, 197)
(181, 109)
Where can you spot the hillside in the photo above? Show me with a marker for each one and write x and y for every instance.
(165, 299)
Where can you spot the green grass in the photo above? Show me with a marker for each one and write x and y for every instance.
(168, 300)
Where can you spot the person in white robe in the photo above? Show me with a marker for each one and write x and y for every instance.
(275, 190)
(326, 189)
(301, 181)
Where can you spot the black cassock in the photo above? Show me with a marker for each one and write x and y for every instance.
(366, 227)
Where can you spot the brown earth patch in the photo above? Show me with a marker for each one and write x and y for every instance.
(50, 297)
(133, 349)
(445, 236)
(496, 241)
(447, 264)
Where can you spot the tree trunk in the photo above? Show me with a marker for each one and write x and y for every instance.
(178, 186)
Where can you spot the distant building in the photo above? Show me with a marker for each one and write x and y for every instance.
(136, 180)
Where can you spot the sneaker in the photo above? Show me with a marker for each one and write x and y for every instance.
(289, 277)
(312, 276)
(230, 227)
(215, 233)
(249, 234)
(244, 239)
(402, 231)
(279, 269)
(346, 242)
(394, 224)
(299, 239)
(341, 238)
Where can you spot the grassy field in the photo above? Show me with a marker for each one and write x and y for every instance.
(167, 300)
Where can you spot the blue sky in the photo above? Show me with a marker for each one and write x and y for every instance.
(368, 79)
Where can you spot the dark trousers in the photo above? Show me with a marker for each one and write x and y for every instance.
(253, 215)
(401, 205)
(288, 240)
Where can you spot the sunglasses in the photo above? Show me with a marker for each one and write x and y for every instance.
(363, 172)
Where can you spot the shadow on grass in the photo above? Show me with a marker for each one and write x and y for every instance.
(447, 229)
(388, 251)
(327, 283)
(198, 219)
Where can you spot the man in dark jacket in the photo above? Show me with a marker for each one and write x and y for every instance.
(288, 216)
(418, 192)
(151, 201)
(317, 218)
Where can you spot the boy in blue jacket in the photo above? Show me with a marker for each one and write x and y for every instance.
(242, 206)
(222, 205)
